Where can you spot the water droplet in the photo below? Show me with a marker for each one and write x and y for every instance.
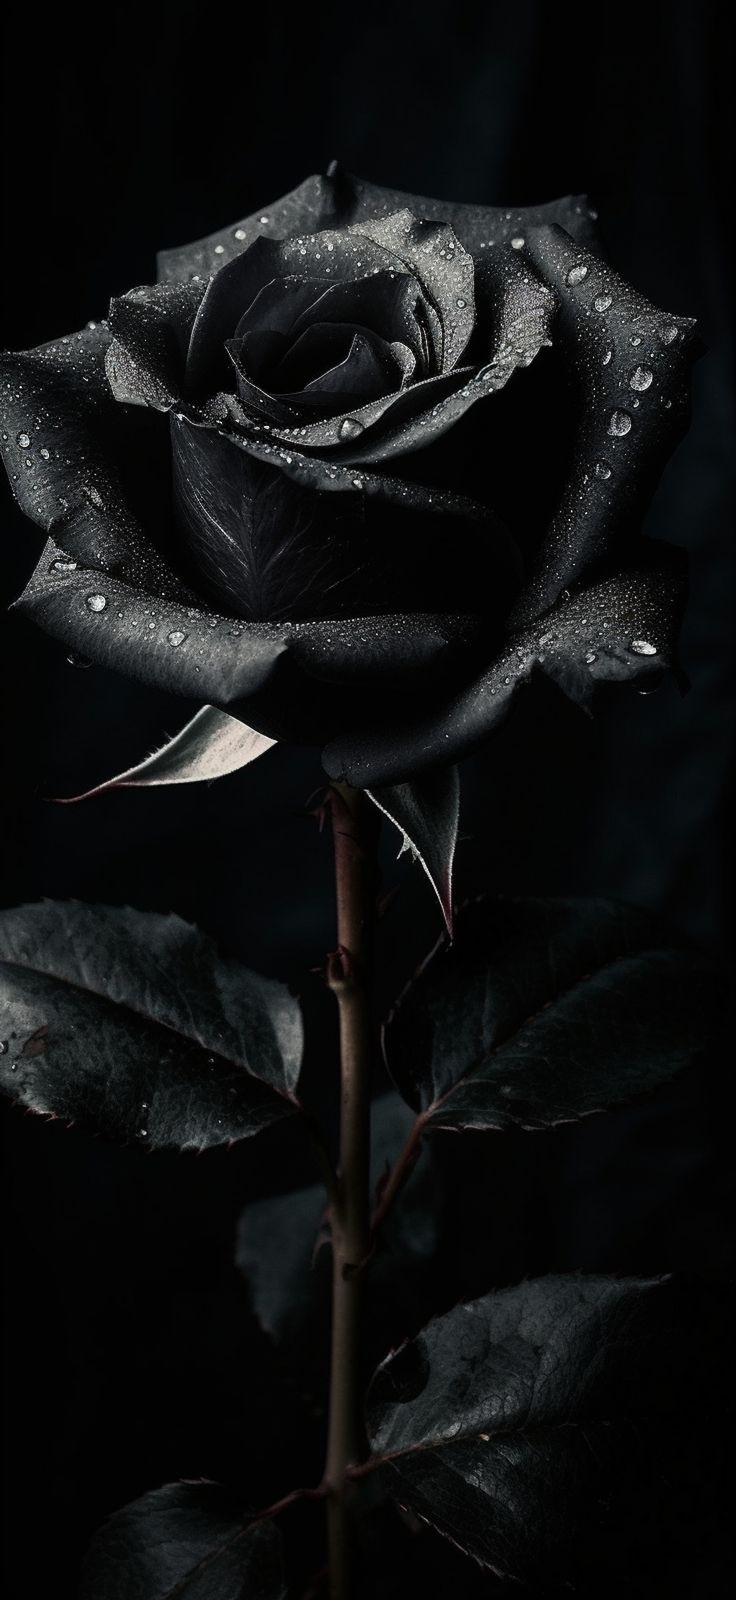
(349, 428)
(63, 566)
(640, 378)
(142, 1133)
(576, 274)
(517, 243)
(635, 339)
(45, 454)
(642, 647)
(603, 301)
(76, 660)
(669, 333)
(176, 637)
(460, 302)
(607, 357)
(14, 1066)
(3, 1047)
(590, 658)
(219, 249)
(96, 602)
(357, 483)
(239, 233)
(619, 424)
(264, 220)
(602, 469)
(23, 439)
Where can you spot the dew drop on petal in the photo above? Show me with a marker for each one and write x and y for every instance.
(460, 302)
(642, 647)
(349, 428)
(219, 249)
(3, 1047)
(239, 233)
(669, 334)
(96, 602)
(24, 440)
(640, 378)
(45, 454)
(619, 424)
(63, 566)
(590, 657)
(607, 357)
(576, 274)
(602, 302)
(176, 637)
(517, 243)
(602, 469)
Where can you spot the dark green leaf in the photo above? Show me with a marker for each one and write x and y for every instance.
(498, 1423)
(131, 1024)
(543, 1012)
(187, 1541)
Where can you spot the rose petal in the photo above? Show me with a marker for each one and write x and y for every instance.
(336, 255)
(443, 268)
(207, 656)
(387, 302)
(620, 629)
(632, 364)
(151, 329)
(81, 465)
(338, 198)
(316, 472)
(315, 203)
(477, 227)
(408, 420)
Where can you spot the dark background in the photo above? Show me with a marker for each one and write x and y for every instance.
(128, 1335)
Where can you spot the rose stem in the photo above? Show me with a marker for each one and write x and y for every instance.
(354, 828)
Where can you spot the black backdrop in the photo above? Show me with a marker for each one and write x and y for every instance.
(128, 1334)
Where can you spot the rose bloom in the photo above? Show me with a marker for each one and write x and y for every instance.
(356, 468)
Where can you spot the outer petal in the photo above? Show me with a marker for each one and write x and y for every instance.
(619, 629)
(337, 198)
(314, 204)
(151, 329)
(211, 657)
(632, 364)
(477, 227)
(78, 462)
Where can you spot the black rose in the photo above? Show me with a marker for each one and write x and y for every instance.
(255, 475)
